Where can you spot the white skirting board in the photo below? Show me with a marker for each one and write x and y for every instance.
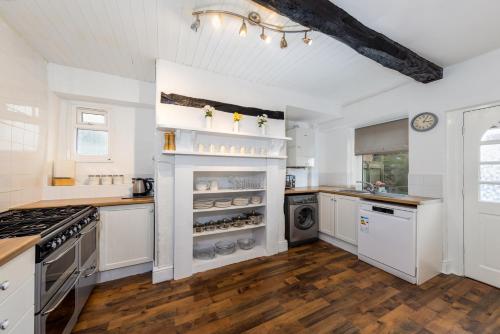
(111, 275)
(162, 274)
(283, 246)
(339, 243)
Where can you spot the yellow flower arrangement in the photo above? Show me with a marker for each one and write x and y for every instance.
(237, 117)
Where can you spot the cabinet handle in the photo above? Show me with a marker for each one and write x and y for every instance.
(4, 285)
(4, 324)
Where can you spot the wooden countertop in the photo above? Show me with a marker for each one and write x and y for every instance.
(12, 247)
(404, 200)
(98, 202)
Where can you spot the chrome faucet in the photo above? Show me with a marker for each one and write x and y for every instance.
(370, 187)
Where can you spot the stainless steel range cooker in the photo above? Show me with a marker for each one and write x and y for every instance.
(66, 260)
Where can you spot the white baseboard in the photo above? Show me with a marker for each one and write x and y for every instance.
(162, 274)
(339, 243)
(113, 274)
(283, 246)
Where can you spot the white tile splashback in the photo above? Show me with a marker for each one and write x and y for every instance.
(427, 185)
(23, 120)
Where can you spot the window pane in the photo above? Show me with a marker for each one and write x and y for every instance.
(92, 142)
(93, 118)
(490, 153)
(490, 173)
(489, 192)
(491, 134)
(391, 169)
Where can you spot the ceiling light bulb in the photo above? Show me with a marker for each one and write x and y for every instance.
(307, 40)
(196, 24)
(243, 29)
(283, 42)
(265, 37)
(216, 21)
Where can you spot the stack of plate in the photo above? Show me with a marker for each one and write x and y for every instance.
(222, 203)
(203, 204)
(241, 201)
(256, 200)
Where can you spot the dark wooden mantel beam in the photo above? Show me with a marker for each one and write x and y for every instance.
(326, 17)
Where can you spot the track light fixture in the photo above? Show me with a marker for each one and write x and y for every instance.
(196, 24)
(255, 20)
(243, 29)
(283, 42)
(306, 39)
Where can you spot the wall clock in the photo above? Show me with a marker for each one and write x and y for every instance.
(424, 122)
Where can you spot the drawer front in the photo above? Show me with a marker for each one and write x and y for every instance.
(26, 325)
(16, 306)
(16, 272)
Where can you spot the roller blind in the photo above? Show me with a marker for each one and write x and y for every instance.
(382, 138)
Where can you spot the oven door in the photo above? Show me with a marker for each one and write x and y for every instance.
(60, 315)
(87, 282)
(88, 245)
(53, 271)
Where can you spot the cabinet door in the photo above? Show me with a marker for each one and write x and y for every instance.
(326, 213)
(346, 219)
(126, 236)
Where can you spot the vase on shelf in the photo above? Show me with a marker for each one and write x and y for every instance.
(236, 127)
(263, 130)
(208, 122)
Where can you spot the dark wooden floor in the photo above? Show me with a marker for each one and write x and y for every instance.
(311, 289)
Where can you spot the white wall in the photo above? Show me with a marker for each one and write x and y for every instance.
(23, 120)
(468, 84)
(188, 81)
(132, 127)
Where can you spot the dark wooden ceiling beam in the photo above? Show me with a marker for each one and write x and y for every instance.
(326, 17)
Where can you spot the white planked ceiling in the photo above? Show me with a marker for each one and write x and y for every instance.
(124, 37)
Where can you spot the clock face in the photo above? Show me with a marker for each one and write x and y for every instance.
(424, 122)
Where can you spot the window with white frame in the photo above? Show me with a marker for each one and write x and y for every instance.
(92, 134)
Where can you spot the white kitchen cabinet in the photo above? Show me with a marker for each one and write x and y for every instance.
(300, 150)
(126, 236)
(17, 294)
(346, 218)
(327, 213)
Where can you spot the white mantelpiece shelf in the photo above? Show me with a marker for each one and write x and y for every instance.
(229, 230)
(162, 127)
(234, 207)
(224, 260)
(227, 191)
(258, 156)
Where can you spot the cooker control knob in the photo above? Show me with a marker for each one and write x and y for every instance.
(63, 238)
(70, 232)
(53, 245)
(79, 227)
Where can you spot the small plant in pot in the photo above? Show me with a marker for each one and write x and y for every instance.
(209, 114)
(237, 117)
(262, 123)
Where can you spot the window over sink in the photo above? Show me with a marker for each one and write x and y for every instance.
(389, 168)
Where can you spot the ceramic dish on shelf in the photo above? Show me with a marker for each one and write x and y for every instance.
(222, 203)
(255, 218)
(256, 200)
(246, 243)
(225, 247)
(204, 252)
(203, 204)
(241, 201)
(202, 186)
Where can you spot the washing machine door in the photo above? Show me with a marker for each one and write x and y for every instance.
(304, 217)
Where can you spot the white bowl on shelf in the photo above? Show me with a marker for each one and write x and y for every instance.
(202, 186)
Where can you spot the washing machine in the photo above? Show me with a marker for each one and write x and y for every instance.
(301, 219)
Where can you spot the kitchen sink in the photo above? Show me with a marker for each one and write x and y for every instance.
(354, 191)
(391, 195)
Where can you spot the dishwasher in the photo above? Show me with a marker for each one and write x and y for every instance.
(387, 238)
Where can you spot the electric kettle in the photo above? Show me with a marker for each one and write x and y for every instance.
(141, 187)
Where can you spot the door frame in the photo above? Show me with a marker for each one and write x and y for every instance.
(454, 243)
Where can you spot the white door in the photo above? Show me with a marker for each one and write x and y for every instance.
(346, 219)
(326, 213)
(482, 195)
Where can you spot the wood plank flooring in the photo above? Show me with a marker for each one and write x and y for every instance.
(311, 289)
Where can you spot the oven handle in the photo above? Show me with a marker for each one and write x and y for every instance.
(60, 300)
(60, 255)
(94, 270)
(90, 230)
